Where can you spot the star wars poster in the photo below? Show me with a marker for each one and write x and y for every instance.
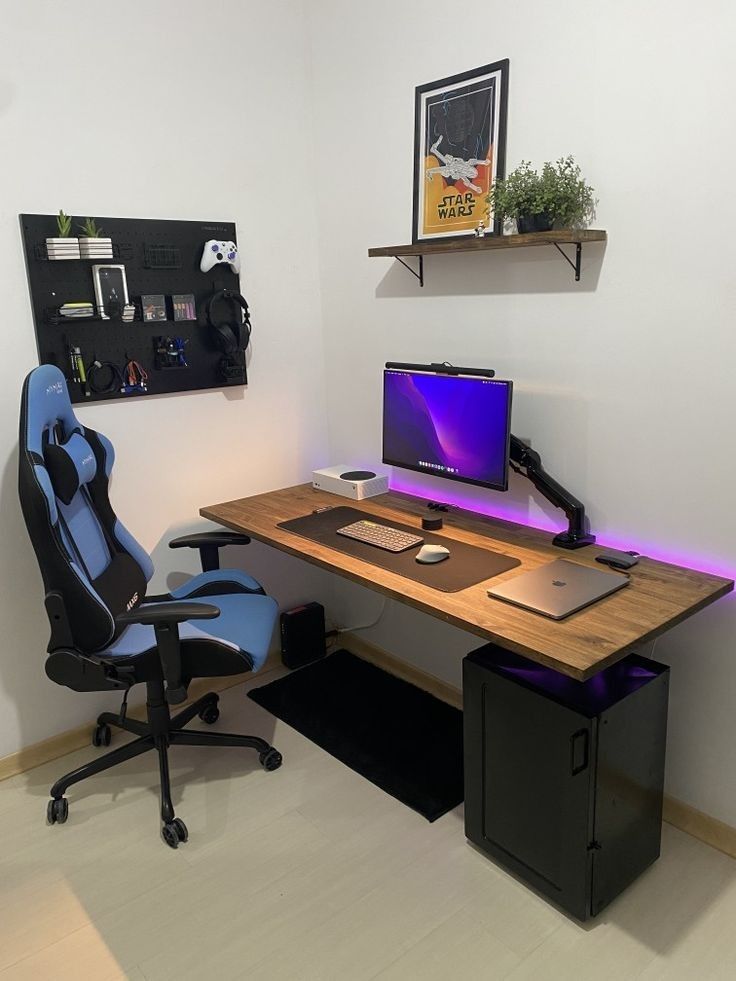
(459, 150)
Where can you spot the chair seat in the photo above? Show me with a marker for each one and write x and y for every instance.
(244, 626)
(218, 582)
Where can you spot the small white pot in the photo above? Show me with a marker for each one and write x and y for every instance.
(62, 248)
(95, 248)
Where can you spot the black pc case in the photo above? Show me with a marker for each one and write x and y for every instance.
(564, 779)
(303, 635)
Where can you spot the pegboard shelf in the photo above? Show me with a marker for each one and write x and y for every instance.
(121, 252)
(162, 262)
(53, 318)
(161, 257)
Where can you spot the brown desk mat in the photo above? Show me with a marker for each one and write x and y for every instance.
(466, 566)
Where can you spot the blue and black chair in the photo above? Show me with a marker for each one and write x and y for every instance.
(106, 634)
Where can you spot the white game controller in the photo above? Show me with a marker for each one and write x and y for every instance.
(216, 252)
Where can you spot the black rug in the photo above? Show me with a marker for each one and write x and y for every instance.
(402, 739)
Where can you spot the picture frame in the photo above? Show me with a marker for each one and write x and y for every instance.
(111, 288)
(459, 150)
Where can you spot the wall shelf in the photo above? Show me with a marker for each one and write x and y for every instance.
(489, 242)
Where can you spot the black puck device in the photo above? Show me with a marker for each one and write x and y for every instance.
(303, 635)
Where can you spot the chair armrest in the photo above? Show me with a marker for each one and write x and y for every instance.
(175, 612)
(165, 619)
(217, 538)
(208, 543)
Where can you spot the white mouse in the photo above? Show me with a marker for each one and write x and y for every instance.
(429, 554)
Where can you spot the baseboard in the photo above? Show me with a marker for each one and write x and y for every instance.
(74, 739)
(680, 815)
(401, 669)
(701, 826)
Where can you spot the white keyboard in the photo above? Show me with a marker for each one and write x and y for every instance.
(381, 536)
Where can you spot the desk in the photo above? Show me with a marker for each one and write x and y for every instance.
(659, 595)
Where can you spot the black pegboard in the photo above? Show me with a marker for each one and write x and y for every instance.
(160, 257)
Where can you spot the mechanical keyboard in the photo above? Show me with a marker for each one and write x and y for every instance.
(382, 536)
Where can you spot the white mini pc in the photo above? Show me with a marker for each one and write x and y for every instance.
(350, 482)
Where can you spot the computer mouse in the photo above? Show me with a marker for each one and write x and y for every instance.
(429, 554)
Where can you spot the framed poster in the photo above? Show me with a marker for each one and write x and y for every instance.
(459, 150)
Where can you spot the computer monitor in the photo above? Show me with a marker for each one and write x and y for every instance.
(448, 425)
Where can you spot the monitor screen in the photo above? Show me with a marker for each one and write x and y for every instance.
(450, 426)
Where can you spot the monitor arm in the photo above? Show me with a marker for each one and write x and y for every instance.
(527, 462)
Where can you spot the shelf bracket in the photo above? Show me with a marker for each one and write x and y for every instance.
(574, 265)
(419, 275)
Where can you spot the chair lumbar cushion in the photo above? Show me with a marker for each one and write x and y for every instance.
(69, 465)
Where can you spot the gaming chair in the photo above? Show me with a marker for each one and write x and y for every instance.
(106, 634)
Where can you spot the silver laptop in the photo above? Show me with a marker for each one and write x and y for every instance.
(559, 588)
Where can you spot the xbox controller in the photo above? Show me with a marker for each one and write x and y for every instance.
(220, 252)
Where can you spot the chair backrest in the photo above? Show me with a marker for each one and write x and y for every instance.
(92, 567)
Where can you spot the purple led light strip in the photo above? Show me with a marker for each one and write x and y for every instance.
(715, 565)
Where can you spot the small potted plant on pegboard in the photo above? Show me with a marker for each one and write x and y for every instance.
(91, 243)
(559, 197)
(63, 246)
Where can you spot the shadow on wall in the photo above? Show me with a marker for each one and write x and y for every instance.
(517, 271)
(700, 652)
(35, 707)
(24, 625)
(27, 689)
(548, 411)
(291, 581)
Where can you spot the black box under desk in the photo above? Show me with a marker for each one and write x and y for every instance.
(564, 779)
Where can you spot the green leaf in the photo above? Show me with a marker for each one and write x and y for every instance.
(559, 191)
(89, 229)
(64, 224)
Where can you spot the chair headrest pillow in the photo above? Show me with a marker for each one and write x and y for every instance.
(69, 465)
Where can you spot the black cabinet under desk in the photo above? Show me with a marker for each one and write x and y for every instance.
(564, 779)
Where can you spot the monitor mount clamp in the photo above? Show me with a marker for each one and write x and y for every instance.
(527, 462)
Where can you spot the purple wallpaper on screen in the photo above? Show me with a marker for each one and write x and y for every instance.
(447, 426)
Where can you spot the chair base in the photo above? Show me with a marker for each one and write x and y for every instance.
(159, 732)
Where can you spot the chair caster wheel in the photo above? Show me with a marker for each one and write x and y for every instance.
(182, 829)
(102, 736)
(174, 833)
(57, 811)
(209, 714)
(271, 759)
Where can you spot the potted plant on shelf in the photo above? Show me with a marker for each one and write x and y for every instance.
(63, 246)
(559, 197)
(91, 243)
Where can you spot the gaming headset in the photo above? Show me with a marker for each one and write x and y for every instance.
(232, 334)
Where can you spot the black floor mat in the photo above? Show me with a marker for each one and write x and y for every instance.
(402, 739)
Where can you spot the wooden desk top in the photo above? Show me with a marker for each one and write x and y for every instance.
(658, 597)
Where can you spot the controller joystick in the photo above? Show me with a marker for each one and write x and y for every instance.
(216, 253)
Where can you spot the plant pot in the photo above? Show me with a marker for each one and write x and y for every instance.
(540, 222)
(62, 248)
(95, 248)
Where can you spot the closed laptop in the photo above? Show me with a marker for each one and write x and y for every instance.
(559, 588)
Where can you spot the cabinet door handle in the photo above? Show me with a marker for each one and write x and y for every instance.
(578, 751)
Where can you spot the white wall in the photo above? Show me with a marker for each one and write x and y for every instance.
(94, 100)
(625, 380)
